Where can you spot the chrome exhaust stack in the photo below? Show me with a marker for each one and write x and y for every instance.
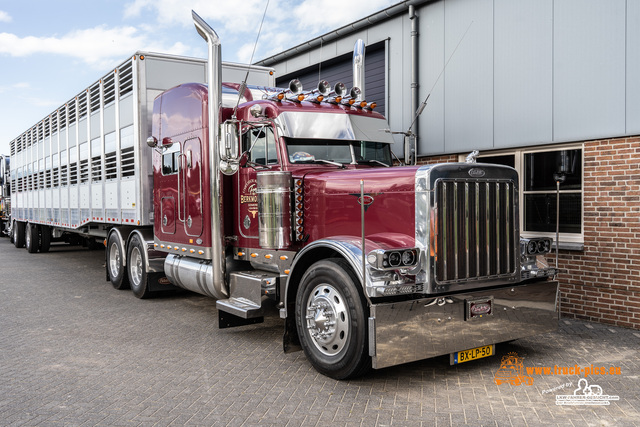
(215, 278)
(358, 68)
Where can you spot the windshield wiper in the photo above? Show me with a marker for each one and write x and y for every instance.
(373, 161)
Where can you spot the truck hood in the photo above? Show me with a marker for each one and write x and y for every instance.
(332, 204)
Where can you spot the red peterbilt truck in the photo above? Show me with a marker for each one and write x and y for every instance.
(263, 194)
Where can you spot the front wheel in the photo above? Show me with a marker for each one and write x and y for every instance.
(138, 277)
(331, 318)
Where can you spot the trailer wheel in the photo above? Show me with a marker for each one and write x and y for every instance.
(18, 234)
(138, 277)
(31, 238)
(331, 318)
(115, 263)
(45, 238)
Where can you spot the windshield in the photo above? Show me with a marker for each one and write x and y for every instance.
(341, 151)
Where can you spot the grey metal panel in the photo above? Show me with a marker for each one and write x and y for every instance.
(431, 57)
(633, 68)
(468, 78)
(109, 121)
(167, 73)
(589, 69)
(126, 111)
(523, 92)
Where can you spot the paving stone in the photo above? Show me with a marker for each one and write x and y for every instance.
(76, 352)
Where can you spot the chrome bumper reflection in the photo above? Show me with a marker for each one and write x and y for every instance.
(415, 330)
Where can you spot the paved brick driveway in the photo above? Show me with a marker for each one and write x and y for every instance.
(74, 351)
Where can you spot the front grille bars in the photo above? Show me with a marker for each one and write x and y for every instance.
(476, 230)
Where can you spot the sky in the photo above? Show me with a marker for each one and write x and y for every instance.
(52, 50)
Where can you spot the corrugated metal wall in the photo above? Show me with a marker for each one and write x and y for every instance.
(528, 72)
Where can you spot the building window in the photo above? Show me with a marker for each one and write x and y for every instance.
(538, 170)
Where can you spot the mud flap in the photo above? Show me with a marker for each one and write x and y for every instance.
(226, 320)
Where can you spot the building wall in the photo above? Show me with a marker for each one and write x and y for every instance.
(601, 283)
(518, 72)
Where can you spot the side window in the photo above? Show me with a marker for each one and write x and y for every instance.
(537, 170)
(262, 144)
(170, 159)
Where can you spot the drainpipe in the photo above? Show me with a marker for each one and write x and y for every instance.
(411, 141)
(214, 73)
(358, 68)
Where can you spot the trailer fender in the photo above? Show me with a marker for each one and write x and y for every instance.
(120, 234)
(153, 259)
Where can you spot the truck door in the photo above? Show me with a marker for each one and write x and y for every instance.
(260, 144)
(191, 176)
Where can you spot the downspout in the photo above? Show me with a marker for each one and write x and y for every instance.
(411, 144)
(214, 73)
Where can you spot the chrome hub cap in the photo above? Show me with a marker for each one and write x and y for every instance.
(327, 319)
(136, 266)
(114, 260)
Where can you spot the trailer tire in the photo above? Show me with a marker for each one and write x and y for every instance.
(328, 294)
(138, 277)
(45, 238)
(18, 234)
(31, 238)
(115, 263)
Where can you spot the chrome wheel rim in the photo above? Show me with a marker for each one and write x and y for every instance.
(327, 319)
(135, 266)
(27, 237)
(114, 260)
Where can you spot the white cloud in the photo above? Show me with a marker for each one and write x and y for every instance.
(233, 16)
(4, 16)
(97, 47)
(335, 13)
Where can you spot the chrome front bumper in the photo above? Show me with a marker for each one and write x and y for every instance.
(407, 331)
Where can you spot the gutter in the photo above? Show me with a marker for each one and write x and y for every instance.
(380, 16)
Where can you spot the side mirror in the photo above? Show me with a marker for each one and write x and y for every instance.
(229, 147)
(152, 142)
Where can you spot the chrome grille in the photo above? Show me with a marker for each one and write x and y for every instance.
(476, 230)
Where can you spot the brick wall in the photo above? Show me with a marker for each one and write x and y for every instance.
(602, 282)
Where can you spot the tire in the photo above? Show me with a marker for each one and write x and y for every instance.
(115, 263)
(45, 238)
(138, 277)
(31, 238)
(18, 234)
(328, 293)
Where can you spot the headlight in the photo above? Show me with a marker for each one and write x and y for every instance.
(393, 259)
(530, 247)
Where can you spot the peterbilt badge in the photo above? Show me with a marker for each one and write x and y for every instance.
(476, 172)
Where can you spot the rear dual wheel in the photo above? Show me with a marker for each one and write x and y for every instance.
(18, 234)
(115, 263)
(37, 238)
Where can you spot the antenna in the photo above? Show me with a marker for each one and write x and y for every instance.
(243, 86)
(424, 103)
